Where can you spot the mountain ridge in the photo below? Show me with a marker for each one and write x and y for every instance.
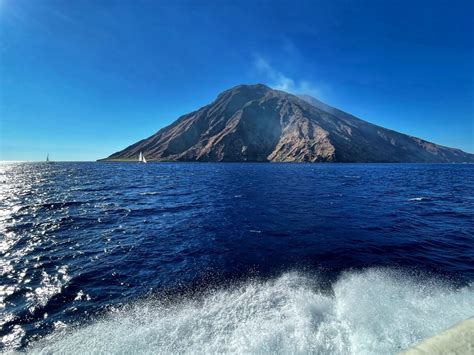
(257, 123)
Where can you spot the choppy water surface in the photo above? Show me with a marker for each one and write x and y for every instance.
(113, 257)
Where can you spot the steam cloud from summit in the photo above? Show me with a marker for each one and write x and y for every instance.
(280, 81)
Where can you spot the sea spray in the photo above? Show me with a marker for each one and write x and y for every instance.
(376, 311)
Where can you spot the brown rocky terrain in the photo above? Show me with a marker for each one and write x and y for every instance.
(257, 123)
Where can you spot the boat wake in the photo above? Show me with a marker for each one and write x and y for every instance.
(377, 311)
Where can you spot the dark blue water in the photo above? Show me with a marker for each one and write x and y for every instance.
(233, 257)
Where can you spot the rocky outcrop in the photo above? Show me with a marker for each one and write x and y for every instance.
(257, 123)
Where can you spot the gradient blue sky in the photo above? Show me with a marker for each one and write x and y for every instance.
(82, 79)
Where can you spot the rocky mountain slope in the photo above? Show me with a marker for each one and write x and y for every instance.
(257, 123)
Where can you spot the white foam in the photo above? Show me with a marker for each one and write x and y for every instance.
(372, 312)
(149, 193)
(419, 199)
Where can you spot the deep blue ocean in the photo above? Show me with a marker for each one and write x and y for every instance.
(230, 257)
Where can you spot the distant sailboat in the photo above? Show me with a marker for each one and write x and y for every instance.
(141, 158)
(47, 159)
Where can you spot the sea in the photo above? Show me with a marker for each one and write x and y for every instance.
(233, 257)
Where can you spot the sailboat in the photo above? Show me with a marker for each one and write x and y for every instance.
(141, 158)
(47, 159)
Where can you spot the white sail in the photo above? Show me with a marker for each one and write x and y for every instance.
(143, 159)
(140, 157)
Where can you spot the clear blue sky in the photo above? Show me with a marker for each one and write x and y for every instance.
(82, 79)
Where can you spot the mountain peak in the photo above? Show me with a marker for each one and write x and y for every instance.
(257, 86)
(252, 90)
(258, 123)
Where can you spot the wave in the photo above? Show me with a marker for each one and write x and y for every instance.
(377, 311)
(51, 205)
(420, 199)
